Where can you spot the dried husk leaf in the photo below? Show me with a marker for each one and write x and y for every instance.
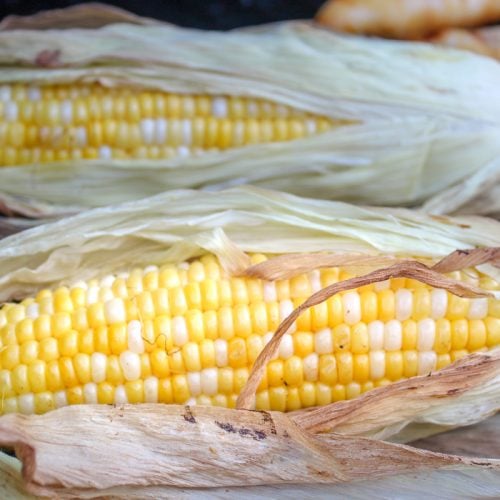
(187, 447)
(424, 120)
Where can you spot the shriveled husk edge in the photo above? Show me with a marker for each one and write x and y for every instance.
(419, 131)
(175, 226)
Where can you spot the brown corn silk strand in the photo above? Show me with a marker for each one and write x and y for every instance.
(405, 269)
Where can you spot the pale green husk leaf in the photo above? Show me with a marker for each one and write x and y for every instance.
(178, 225)
(428, 117)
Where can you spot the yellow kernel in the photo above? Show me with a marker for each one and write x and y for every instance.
(114, 373)
(459, 334)
(135, 391)
(67, 371)
(323, 394)
(54, 378)
(191, 357)
(359, 338)
(240, 379)
(275, 373)
(19, 381)
(410, 363)
(477, 335)
(25, 330)
(48, 349)
(194, 322)
(341, 338)
(421, 304)
(74, 395)
(335, 311)
(303, 343)
(293, 401)
(37, 376)
(352, 390)
(44, 402)
(442, 343)
(338, 392)
(237, 353)
(443, 360)
(493, 329)
(293, 372)
(410, 331)
(180, 389)
(361, 367)
(277, 398)
(344, 367)
(165, 391)
(394, 365)
(81, 363)
(105, 393)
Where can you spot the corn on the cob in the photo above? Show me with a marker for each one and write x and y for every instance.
(74, 122)
(190, 334)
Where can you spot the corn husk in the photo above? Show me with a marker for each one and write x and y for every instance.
(156, 451)
(426, 118)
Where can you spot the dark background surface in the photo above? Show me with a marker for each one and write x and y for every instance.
(206, 14)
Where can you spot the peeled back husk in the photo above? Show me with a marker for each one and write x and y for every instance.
(172, 450)
(422, 119)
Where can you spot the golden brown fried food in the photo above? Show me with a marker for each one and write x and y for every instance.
(407, 19)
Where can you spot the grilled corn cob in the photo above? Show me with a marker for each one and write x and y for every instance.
(190, 334)
(75, 122)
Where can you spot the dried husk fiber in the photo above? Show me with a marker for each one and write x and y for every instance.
(158, 451)
(427, 117)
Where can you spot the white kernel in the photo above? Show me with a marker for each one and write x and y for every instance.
(98, 362)
(286, 346)
(33, 311)
(81, 137)
(323, 342)
(106, 294)
(114, 311)
(108, 281)
(376, 335)
(184, 266)
(191, 402)
(5, 93)
(90, 393)
(92, 295)
(105, 153)
(183, 152)
(151, 390)
(252, 109)
(270, 293)
(10, 405)
(121, 397)
(34, 94)
(286, 308)
(282, 111)
(66, 112)
(379, 286)
(403, 304)
(80, 284)
(377, 365)
(311, 127)
(131, 365)
(478, 308)
(352, 308)
(147, 130)
(134, 337)
(220, 348)
(426, 334)
(439, 303)
(60, 399)
(315, 280)
(26, 403)
(310, 366)
(187, 133)
(10, 111)
(219, 107)
(161, 131)
(194, 383)
(179, 331)
(238, 133)
(209, 381)
(393, 335)
(45, 134)
(150, 269)
(426, 362)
